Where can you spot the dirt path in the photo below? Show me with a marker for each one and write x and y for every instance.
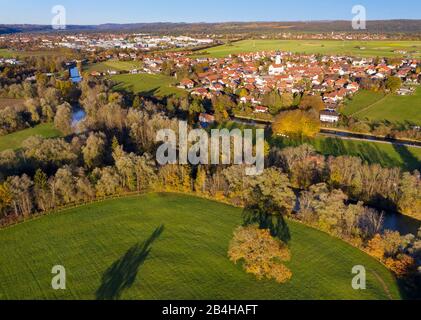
(385, 287)
(369, 106)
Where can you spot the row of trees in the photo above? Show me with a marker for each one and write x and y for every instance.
(387, 129)
(385, 188)
(267, 198)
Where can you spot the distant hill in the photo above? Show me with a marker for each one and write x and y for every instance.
(30, 28)
(384, 26)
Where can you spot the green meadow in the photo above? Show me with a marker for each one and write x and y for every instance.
(148, 85)
(114, 65)
(170, 246)
(392, 108)
(7, 53)
(335, 47)
(14, 140)
(385, 154)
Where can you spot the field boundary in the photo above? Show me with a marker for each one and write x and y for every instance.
(369, 106)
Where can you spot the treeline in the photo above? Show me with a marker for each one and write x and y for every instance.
(385, 188)
(386, 129)
(321, 206)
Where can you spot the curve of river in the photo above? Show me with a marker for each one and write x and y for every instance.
(392, 220)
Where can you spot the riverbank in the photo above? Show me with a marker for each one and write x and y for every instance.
(345, 134)
(339, 133)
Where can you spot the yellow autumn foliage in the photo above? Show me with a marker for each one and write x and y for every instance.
(296, 123)
(261, 254)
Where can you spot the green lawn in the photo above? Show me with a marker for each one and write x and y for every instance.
(393, 108)
(14, 140)
(115, 65)
(387, 155)
(372, 48)
(6, 53)
(101, 247)
(148, 85)
(363, 99)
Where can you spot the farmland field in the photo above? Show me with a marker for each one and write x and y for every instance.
(6, 53)
(385, 154)
(147, 85)
(170, 246)
(14, 140)
(354, 48)
(361, 100)
(115, 65)
(393, 108)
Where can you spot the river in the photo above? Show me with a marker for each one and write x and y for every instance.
(392, 220)
(78, 115)
(401, 223)
(365, 137)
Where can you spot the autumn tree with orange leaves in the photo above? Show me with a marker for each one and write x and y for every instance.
(261, 254)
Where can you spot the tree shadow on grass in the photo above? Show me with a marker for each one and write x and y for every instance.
(149, 93)
(367, 151)
(411, 162)
(122, 274)
(274, 222)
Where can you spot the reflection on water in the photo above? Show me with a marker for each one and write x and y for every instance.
(392, 220)
(401, 223)
(78, 115)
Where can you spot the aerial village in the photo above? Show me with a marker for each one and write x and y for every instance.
(244, 77)
(335, 78)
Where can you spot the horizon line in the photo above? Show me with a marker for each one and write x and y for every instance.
(216, 22)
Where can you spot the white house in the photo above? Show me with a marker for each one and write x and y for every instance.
(329, 116)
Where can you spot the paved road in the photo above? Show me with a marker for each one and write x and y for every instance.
(344, 135)
(368, 138)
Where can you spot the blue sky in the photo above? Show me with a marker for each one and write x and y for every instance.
(130, 11)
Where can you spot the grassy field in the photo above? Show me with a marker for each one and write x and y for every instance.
(355, 48)
(385, 154)
(361, 100)
(6, 53)
(148, 85)
(115, 65)
(393, 108)
(102, 247)
(14, 140)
